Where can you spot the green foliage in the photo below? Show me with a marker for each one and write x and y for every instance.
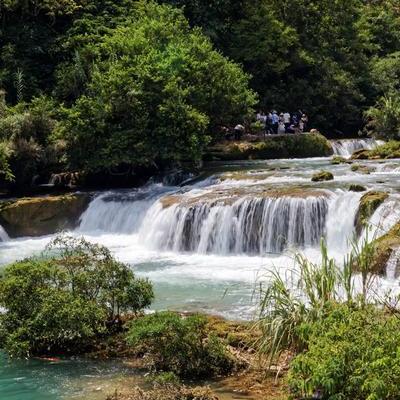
(181, 345)
(150, 97)
(64, 301)
(384, 118)
(287, 307)
(352, 354)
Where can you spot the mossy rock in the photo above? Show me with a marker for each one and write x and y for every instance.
(369, 203)
(336, 160)
(362, 169)
(39, 216)
(361, 155)
(386, 151)
(384, 247)
(279, 146)
(323, 176)
(357, 188)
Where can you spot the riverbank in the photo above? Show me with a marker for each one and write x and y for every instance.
(272, 147)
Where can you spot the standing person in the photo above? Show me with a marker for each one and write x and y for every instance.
(304, 120)
(269, 124)
(239, 130)
(275, 122)
(286, 120)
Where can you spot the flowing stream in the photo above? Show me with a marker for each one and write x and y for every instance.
(207, 244)
(346, 147)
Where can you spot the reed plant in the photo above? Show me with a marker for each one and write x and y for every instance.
(287, 306)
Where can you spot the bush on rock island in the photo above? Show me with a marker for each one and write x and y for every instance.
(64, 301)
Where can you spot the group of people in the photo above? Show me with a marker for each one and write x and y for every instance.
(282, 123)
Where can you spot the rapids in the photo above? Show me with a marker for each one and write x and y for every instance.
(206, 245)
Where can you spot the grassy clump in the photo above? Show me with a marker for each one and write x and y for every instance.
(182, 345)
(353, 353)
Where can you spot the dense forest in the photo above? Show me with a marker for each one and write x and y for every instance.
(111, 85)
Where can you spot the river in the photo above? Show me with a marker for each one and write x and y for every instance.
(207, 245)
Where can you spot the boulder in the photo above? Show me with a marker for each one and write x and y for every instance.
(339, 160)
(39, 216)
(357, 188)
(383, 249)
(368, 205)
(322, 176)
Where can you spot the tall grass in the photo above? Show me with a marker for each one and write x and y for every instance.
(287, 307)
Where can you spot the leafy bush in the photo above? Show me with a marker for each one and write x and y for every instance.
(352, 354)
(287, 305)
(384, 117)
(181, 345)
(62, 302)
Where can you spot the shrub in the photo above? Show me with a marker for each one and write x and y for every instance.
(352, 354)
(64, 301)
(181, 345)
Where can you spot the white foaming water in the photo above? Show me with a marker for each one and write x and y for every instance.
(392, 266)
(384, 219)
(3, 235)
(119, 212)
(343, 208)
(249, 225)
(346, 148)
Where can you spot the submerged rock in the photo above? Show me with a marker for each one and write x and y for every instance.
(39, 216)
(339, 160)
(357, 188)
(362, 169)
(369, 203)
(323, 176)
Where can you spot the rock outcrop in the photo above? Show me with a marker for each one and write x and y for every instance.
(39, 216)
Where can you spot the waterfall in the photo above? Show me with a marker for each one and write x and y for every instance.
(3, 235)
(393, 264)
(120, 212)
(343, 208)
(249, 225)
(384, 219)
(346, 148)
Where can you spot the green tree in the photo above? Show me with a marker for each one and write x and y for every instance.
(157, 92)
(64, 301)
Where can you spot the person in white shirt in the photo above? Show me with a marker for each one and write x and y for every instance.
(286, 120)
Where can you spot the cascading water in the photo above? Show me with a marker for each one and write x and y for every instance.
(346, 148)
(248, 226)
(343, 207)
(3, 235)
(120, 212)
(393, 264)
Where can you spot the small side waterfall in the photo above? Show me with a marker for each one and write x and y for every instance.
(383, 219)
(347, 147)
(120, 212)
(250, 225)
(3, 235)
(393, 265)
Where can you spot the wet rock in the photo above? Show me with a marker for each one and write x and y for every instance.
(336, 160)
(368, 205)
(362, 169)
(384, 248)
(39, 216)
(361, 155)
(322, 176)
(357, 188)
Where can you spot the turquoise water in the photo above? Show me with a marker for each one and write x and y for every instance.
(66, 379)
